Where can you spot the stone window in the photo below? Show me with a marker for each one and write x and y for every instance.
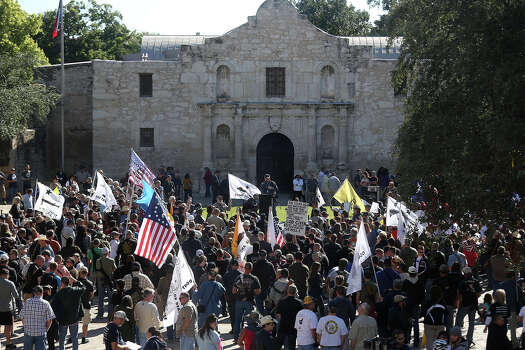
(146, 84)
(275, 82)
(327, 142)
(223, 82)
(223, 142)
(147, 137)
(327, 82)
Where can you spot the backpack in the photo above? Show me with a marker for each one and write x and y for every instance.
(435, 315)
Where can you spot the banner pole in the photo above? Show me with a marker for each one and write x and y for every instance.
(374, 269)
(34, 197)
(62, 86)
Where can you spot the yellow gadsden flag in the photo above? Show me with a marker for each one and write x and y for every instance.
(347, 194)
(238, 230)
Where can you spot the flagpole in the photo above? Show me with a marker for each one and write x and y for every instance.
(130, 200)
(92, 186)
(62, 86)
(374, 269)
(34, 197)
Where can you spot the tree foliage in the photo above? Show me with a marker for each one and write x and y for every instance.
(22, 100)
(17, 29)
(462, 69)
(335, 17)
(91, 31)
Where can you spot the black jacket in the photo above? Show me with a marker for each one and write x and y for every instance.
(265, 272)
(67, 304)
(265, 341)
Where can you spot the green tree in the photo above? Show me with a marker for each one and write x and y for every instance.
(17, 29)
(91, 30)
(22, 99)
(462, 70)
(335, 17)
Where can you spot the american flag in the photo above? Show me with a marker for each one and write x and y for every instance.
(157, 234)
(138, 171)
(280, 239)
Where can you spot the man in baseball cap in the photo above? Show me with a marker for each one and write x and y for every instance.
(306, 323)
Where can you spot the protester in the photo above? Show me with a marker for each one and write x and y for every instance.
(209, 297)
(245, 288)
(112, 337)
(146, 315)
(207, 337)
(7, 293)
(37, 316)
(363, 328)
(67, 306)
(187, 323)
(331, 330)
(265, 339)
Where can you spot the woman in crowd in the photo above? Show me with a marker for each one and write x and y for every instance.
(207, 337)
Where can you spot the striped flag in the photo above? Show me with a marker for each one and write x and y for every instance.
(270, 231)
(157, 234)
(280, 238)
(138, 171)
(57, 21)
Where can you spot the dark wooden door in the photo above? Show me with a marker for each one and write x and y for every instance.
(275, 156)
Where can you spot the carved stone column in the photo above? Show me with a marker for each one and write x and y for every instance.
(343, 143)
(238, 167)
(207, 114)
(312, 139)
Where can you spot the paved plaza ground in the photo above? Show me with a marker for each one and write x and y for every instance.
(95, 335)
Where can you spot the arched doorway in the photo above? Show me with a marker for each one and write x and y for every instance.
(275, 156)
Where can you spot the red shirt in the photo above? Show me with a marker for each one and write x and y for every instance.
(471, 256)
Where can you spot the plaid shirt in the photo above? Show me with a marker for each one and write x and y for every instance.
(35, 313)
(144, 281)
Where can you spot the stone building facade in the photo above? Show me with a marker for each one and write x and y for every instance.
(274, 95)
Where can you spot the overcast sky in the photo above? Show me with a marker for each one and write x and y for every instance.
(181, 16)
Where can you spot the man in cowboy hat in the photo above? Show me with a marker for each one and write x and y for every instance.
(265, 339)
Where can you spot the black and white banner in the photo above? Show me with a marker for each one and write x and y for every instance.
(48, 202)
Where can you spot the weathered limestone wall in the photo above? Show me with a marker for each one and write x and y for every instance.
(78, 121)
(378, 115)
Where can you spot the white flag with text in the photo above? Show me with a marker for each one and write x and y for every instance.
(181, 281)
(320, 199)
(48, 202)
(361, 253)
(103, 194)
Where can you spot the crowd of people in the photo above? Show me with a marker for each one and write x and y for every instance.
(55, 273)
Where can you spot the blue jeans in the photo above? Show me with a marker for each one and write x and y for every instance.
(259, 301)
(241, 308)
(187, 343)
(469, 311)
(12, 193)
(142, 338)
(102, 289)
(415, 324)
(170, 333)
(306, 347)
(38, 342)
(73, 332)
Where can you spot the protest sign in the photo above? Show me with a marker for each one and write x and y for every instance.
(296, 215)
